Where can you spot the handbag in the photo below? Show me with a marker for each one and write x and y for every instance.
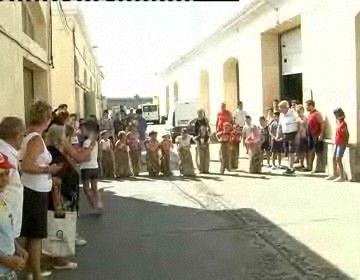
(61, 235)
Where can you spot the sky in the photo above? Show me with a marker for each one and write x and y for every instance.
(137, 40)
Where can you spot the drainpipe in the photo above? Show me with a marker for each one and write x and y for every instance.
(51, 58)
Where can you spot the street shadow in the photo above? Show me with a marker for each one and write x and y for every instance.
(142, 240)
(250, 176)
(196, 178)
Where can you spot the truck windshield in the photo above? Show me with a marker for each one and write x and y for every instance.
(149, 108)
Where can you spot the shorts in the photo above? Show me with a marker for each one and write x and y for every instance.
(277, 147)
(339, 151)
(289, 142)
(90, 174)
(35, 208)
(302, 146)
(314, 144)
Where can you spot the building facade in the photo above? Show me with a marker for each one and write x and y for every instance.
(276, 49)
(25, 55)
(76, 77)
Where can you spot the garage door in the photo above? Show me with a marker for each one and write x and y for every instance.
(291, 52)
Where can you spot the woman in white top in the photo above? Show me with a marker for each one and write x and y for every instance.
(90, 169)
(36, 177)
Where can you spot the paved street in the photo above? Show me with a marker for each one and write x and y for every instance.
(236, 226)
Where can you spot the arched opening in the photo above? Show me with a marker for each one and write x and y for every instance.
(231, 83)
(357, 42)
(204, 92)
(176, 91)
(167, 100)
(33, 22)
(85, 77)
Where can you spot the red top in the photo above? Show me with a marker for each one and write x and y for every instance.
(314, 126)
(235, 137)
(224, 137)
(342, 133)
(223, 117)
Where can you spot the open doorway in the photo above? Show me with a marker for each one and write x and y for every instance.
(291, 65)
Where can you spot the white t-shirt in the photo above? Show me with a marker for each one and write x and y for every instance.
(14, 190)
(183, 143)
(288, 122)
(93, 162)
(36, 182)
(239, 116)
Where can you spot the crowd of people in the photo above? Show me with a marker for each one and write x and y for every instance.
(43, 164)
(286, 131)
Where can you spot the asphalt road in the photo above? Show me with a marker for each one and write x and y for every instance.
(180, 229)
(137, 239)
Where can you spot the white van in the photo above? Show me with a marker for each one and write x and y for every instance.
(151, 113)
(181, 115)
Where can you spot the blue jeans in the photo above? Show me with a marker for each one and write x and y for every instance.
(339, 151)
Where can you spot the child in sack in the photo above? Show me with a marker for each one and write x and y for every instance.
(235, 146)
(122, 157)
(254, 143)
(224, 137)
(202, 150)
(106, 156)
(152, 147)
(12, 257)
(166, 147)
(185, 158)
(133, 140)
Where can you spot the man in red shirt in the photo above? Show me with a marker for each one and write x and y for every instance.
(316, 131)
(341, 140)
(223, 116)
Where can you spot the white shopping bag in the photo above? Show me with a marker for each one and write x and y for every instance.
(174, 161)
(61, 235)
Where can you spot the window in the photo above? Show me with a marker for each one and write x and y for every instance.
(27, 25)
(150, 108)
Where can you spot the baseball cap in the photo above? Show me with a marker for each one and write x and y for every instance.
(5, 163)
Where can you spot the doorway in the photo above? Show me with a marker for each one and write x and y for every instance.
(291, 87)
(29, 94)
(291, 65)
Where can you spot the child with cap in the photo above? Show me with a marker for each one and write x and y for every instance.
(12, 257)
(341, 140)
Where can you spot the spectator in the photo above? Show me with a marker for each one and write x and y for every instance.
(106, 126)
(118, 124)
(341, 140)
(11, 258)
(37, 168)
(288, 127)
(141, 126)
(63, 195)
(223, 116)
(316, 130)
(239, 115)
(62, 108)
(275, 105)
(12, 131)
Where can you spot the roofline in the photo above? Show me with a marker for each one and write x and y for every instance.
(216, 36)
(80, 19)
